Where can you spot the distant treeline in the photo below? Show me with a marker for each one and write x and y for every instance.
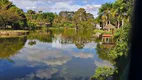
(11, 17)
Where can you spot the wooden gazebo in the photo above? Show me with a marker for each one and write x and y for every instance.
(107, 38)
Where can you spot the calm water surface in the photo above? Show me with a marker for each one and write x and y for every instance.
(50, 55)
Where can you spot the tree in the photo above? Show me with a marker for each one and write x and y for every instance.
(31, 12)
(81, 19)
(50, 17)
(79, 16)
(11, 15)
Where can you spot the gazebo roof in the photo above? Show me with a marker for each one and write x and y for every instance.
(107, 35)
(109, 26)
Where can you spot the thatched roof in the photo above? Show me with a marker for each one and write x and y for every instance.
(109, 26)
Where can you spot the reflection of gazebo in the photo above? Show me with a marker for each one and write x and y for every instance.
(109, 27)
(108, 45)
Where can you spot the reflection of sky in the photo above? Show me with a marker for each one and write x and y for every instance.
(43, 61)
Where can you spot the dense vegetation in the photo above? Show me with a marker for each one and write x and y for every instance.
(12, 16)
(79, 19)
(11, 46)
(118, 14)
(39, 19)
(15, 18)
(68, 36)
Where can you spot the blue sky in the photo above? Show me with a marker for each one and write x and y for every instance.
(60, 5)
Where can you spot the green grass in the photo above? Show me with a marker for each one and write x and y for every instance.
(98, 31)
(102, 31)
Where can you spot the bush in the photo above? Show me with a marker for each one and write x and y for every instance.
(98, 31)
(102, 73)
(31, 26)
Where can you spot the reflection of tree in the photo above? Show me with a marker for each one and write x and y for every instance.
(68, 36)
(31, 43)
(82, 37)
(79, 37)
(103, 73)
(104, 53)
(79, 45)
(10, 46)
(43, 36)
(121, 63)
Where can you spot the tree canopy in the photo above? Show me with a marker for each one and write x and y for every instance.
(11, 15)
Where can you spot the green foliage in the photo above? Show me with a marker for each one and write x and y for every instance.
(11, 46)
(74, 19)
(31, 26)
(42, 36)
(98, 31)
(31, 12)
(118, 13)
(31, 43)
(122, 39)
(83, 20)
(11, 15)
(102, 73)
(101, 31)
(40, 19)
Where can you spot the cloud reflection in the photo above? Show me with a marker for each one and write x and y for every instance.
(41, 73)
(37, 57)
(103, 63)
(45, 73)
(83, 55)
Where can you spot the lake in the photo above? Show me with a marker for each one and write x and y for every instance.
(52, 55)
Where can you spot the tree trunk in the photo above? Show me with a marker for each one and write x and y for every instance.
(50, 23)
(118, 24)
(106, 23)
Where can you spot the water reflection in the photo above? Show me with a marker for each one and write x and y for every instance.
(117, 68)
(52, 55)
(32, 42)
(10, 46)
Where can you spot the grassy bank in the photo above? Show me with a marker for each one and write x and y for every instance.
(60, 28)
(13, 32)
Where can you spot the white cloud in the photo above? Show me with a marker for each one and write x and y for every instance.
(25, 4)
(55, 5)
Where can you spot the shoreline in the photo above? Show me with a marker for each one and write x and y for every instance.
(13, 32)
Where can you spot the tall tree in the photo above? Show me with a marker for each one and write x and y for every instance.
(11, 15)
